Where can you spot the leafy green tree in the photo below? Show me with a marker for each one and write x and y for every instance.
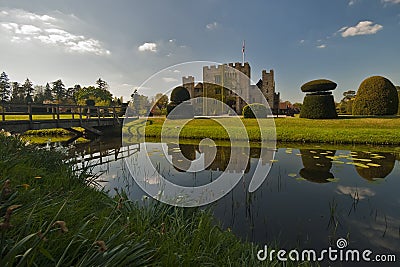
(28, 89)
(346, 104)
(161, 101)
(59, 90)
(5, 88)
(101, 97)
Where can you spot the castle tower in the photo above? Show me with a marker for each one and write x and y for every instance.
(188, 83)
(268, 88)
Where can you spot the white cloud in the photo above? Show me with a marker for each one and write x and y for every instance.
(152, 47)
(321, 46)
(362, 28)
(391, 1)
(23, 26)
(212, 26)
(360, 193)
(302, 41)
(352, 2)
(169, 79)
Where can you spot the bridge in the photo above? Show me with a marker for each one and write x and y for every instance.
(18, 118)
(99, 153)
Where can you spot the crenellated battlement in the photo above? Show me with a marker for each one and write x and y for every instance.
(188, 79)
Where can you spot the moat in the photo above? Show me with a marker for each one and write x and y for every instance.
(311, 197)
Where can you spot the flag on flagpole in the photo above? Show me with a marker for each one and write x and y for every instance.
(243, 52)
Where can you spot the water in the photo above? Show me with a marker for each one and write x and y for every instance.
(310, 198)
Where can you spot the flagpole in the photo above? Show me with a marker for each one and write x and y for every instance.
(243, 48)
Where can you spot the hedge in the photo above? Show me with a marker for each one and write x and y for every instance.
(318, 107)
(255, 110)
(376, 96)
(318, 86)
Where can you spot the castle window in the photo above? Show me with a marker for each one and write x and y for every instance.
(217, 79)
(218, 91)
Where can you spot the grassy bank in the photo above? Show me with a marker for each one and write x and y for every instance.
(49, 216)
(346, 130)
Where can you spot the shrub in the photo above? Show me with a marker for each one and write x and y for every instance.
(318, 86)
(255, 110)
(318, 107)
(179, 94)
(376, 96)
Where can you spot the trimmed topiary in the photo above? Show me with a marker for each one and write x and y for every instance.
(179, 95)
(320, 85)
(255, 110)
(318, 107)
(376, 96)
(170, 107)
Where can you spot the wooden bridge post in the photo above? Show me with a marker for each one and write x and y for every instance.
(30, 112)
(98, 115)
(58, 113)
(3, 112)
(80, 115)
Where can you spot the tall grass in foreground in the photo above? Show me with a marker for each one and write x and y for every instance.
(49, 216)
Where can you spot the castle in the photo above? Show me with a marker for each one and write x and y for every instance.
(217, 80)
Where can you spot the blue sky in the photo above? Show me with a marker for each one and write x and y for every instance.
(124, 42)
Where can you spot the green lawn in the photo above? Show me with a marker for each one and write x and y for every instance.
(346, 130)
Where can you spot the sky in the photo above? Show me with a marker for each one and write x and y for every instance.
(124, 42)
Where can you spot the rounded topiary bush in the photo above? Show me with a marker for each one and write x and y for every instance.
(255, 110)
(179, 94)
(318, 107)
(320, 85)
(376, 96)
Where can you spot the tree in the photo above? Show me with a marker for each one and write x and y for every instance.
(99, 96)
(161, 101)
(376, 96)
(102, 85)
(39, 94)
(18, 93)
(59, 90)
(5, 88)
(48, 95)
(346, 104)
(28, 89)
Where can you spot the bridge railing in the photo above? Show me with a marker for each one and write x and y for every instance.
(58, 112)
